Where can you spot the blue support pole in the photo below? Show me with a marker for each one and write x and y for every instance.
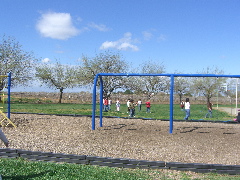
(9, 95)
(171, 90)
(171, 104)
(94, 102)
(101, 101)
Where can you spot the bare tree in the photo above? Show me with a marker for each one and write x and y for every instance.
(106, 62)
(14, 59)
(181, 86)
(57, 76)
(208, 86)
(149, 84)
(231, 88)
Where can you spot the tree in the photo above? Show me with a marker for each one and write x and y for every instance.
(106, 62)
(231, 88)
(208, 86)
(181, 86)
(149, 84)
(57, 76)
(14, 59)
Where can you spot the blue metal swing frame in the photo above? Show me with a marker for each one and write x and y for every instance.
(171, 76)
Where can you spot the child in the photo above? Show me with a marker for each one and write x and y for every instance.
(139, 104)
(3, 138)
(187, 109)
(132, 108)
(128, 102)
(118, 105)
(182, 105)
(148, 106)
(105, 104)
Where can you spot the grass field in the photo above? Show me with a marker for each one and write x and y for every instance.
(158, 111)
(21, 169)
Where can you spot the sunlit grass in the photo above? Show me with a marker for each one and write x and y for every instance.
(158, 111)
(24, 169)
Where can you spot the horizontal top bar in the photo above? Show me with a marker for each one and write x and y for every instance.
(175, 75)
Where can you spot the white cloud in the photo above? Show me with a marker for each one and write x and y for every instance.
(79, 19)
(125, 43)
(152, 35)
(46, 60)
(162, 37)
(109, 44)
(147, 35)
(56, 26)
(100, 27)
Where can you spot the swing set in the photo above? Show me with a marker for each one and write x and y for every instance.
(5, 119)
(171, 76)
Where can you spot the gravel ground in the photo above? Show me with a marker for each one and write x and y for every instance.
(190, 142)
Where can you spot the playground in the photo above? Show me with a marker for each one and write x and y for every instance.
(190, 142)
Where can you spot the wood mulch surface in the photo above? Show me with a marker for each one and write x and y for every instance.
(190, 142)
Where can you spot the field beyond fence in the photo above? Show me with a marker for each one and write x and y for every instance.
(86, 97)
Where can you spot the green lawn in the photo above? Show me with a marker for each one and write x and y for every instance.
(158, 111)
(20, 169)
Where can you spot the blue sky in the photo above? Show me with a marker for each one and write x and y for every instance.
(184, 35)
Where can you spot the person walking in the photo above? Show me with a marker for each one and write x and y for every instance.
(109, 104)
(3, 138)
(105, 105)
(182, 105)
(148, 106)
(209, 106)
(139, 104)
(128, 109)
(132, 108)
(187, 108)
(118, 105)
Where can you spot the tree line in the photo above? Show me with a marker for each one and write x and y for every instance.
(26, 68)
